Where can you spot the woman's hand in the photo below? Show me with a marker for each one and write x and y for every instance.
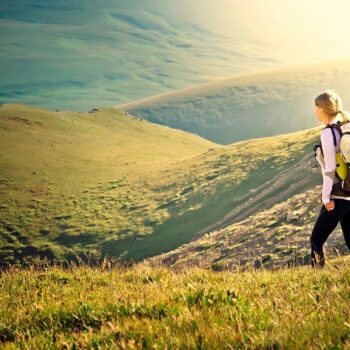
(330, 205)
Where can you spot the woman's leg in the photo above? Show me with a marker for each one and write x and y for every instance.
(345, 226)
(326, 222)
(317, 239)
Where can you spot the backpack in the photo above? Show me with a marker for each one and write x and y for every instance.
(343, 157)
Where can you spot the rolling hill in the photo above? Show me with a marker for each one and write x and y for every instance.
(65, 176)
(248, 106)
(106, 183)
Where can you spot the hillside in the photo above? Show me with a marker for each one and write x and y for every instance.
(146, 308)
(69, 179)
(82, 54)
(248, 106)
(104, 183)
(275, 237)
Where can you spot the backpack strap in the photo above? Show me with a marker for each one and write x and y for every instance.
(338, 127)
(332, 126)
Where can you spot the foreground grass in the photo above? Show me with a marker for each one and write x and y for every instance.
(144, 307)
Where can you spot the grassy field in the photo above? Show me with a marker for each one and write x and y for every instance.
(106, 183)
(160, 308)
(248, 106)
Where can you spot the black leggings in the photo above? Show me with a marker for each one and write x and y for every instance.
(326, 222)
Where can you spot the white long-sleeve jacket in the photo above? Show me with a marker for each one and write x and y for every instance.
(328, 163)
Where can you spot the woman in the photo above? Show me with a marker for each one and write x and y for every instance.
(336, 203)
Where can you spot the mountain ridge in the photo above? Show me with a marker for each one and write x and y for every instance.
(227, 81)
(262, 104)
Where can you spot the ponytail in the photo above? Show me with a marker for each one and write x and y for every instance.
(345, 115)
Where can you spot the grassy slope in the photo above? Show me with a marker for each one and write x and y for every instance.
(145, 307)
(71, 178)
(274, 237)
(227, 184)
(105, 183)
(272, 102)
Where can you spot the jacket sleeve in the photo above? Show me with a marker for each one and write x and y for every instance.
(328, 172)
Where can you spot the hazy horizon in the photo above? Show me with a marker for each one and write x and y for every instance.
(83, 54)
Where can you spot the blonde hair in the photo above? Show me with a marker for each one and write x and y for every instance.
(331, 104)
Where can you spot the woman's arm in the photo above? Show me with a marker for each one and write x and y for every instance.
(330, 164)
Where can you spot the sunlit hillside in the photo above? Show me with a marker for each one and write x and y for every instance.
(106, 183)
(70, 179)
(254, 105)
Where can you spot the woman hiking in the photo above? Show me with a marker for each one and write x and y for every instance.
(336, 202)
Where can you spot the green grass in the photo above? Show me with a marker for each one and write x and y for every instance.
(146, 308)
(77, 179)
(105, 183)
